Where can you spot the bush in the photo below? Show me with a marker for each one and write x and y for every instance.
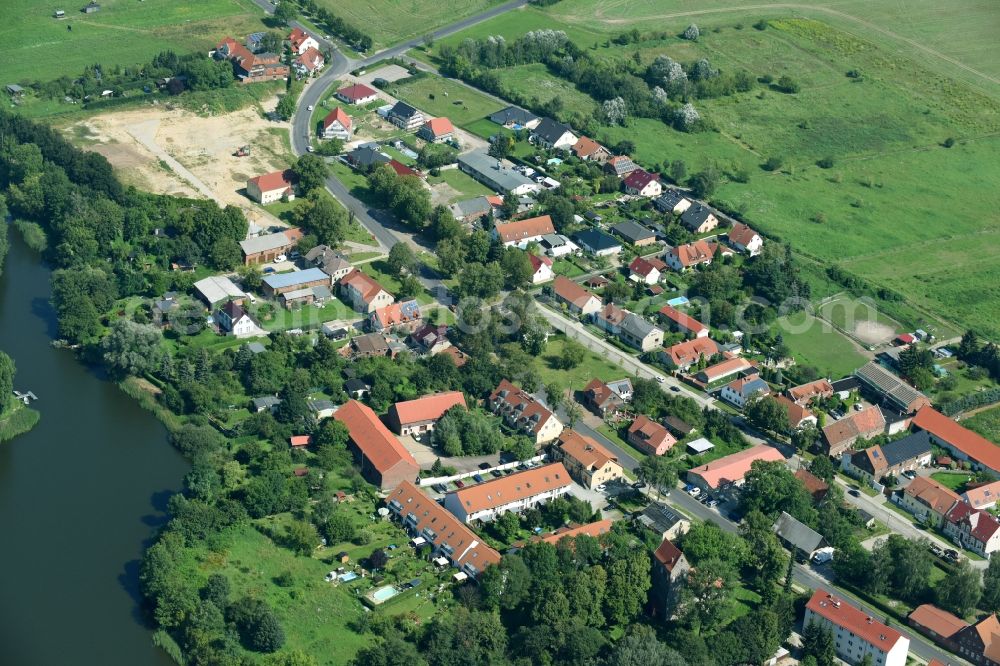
(772, 164)
(949, 142)
(760, 25)
(692, 33)
(825, 163)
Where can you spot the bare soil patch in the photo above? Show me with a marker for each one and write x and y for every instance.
(873, 333)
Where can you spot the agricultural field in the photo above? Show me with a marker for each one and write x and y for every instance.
(438, 96)
(872, 209)
(986, 423)
(814, 342)
(36, 47)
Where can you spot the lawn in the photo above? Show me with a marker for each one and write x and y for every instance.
(574, 379)
(35, 46)
(391, 21)
(463, 185)
(274, 317)
(986, 423)
(439, 96)
(818, 344)
(954, 480)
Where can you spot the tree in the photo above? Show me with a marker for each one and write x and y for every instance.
(991, 586)
(572, 355)
(768, 414)
(641, 647)
(378, 559)
(822, 468)
(322, 216)
(285, 12)
(390, 650)
(507, 526)
(301, 537)
(968, 348)
(704, 183)
(516, 267)
(131, 348)
(703, 597)
(961, 591)
(311, 171)
(817, 642)
(615, 111)
(771, 488)
(258, 626)
(7, 373)
(401, 258)
(766, 558)
(502, 146)
(216, 590)
(628, 584)
(692, 33)
(286, 106)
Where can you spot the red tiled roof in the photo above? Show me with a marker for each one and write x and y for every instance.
(297, 36)
(939, 621)
(612, 314)
(311, 58)
(932, 493)
(355, 92)
(362, 283)
(796, 412)
(370, 435)
(735, 466)
(682, 320)
(690, 351)
(843, 614)
(642, 267)
(640, 178)
(427, 408)
(523, 404)
(337, 115)
(693, 253)
(585, 147)
(439, 126)
(538, 262)
(277, 180)
(594, 529)
(982, 524)
(973, 445)
(571, 292)
(741, 234)
(517, 486)
(806, 392)
(866, 423)
(983, 494)
(599, 392)
(401, 169)
(668, 554)
(651, 433)
(725, 368)
(815, 485)
(299, 440)
(585, 450)
(527, 228)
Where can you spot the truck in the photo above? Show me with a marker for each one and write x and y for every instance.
(823, 555)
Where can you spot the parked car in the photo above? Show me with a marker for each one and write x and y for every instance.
(712, 503)
(705, 499)
(460, 484)
(694, 492)
(936, 550)
(853, 492)
(910, 474)
(280, 258)
(639, 485)
(601, 488)
(478, 478)
(660, 379)
(484, 465)
(675, 389)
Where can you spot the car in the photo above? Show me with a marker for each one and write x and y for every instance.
(484, 465)
(268, 270)
(936, 550)
(459, 484)
(478, 478)
(310, 107)
(910, 474)
(853, 492)
(712, 503)
(675, 389)
(705, 499)
(638, 485)
(601, 488)
(310, 149)
(440, 487)
(496, 473)
(694, 492)
(280, 259)
(660, 379)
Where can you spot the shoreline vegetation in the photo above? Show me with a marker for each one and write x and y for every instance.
(18, 421)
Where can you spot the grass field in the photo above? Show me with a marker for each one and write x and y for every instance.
(17, 421)
(464, 185)
(35, 46)
(443, 97)
(819, 345)
(875, 211)
(577, 378)
(986, 423)
(954, 480)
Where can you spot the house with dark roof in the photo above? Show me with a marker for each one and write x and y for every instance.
(472, 210)
(514, 117)
(894, 458)
(640, 333)
(233, 319)
(365, 158)
(597, 243)
(406, 117)
(431, 338)
(980, 642)
(553, 135)
(678, 426)
(634, 233)
(973, 529)
(672, 202)
(798, 536)
(664, 521)
(699, 219)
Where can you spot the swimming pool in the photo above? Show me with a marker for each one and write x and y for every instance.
(383, 594)
(347, 577)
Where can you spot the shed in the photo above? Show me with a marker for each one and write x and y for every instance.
(699, 446)
(798, 535)
(15, 90)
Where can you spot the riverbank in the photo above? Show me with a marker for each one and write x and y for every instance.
(20, 420)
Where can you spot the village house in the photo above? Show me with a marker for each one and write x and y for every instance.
(416, 417)
(281, 283)
(638, 332)
(364, 293)
(514, 493)
(670, 569)
(251, 67)
(804, 394)
(233, 319)
(357, 94)
(699, 219)
(590, 464)
(856, 634)
(741, 392)
(649, 436)
(678, 321)
(797, 536)
(963, 443)
(557, 245)
(731, 469)
(682, 257)
(643, 271)
(816, 487)
(980, 642)
(744, 239)
(402, 170)
(366, 158)
(672, 202)
(471, 211)
(514, 117)
(437, 130)
(521, 411)
(982, 496)
(940, 625)
(893, 390)
(431, 338)
(589, 150)
(217, 288)
(271, 187)
(498, 175)
(577, 299)
(265, 249)
(924, 497)
(640, 182)
(620, 165)
(798, 416)
(973, 529)
(597, 243)
(723, 370)
(894, 458)
(424, 518)
(520, 233)
(634, 233)
(683, 355)
(310, 61)
(336, 125)
(330, 261)
(595, 529)
(541, 268)
(404, 315)
(663, 521)
(609, 319)
(841, 435)
(602, 399)
(301, 41)
(383, 460)
(553, 135)
(369, 345)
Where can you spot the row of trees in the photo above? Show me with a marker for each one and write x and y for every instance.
(335, 24)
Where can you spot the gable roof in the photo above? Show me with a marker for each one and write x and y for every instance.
(689, 351)
(337, 115)
(600, 393)
(551, 131)
(813, 484)
(891, 386)
(749, 386)
(585, 450)
(695, 252)
(396, 313)
(938, 497)
(537, 262)
(636, 326)
(937, 620)
(972, 444)
(639, 178)
(797, 533)
(427, 408)
(796, 413)
(735, 466)
(234, 310)
(276, 180)
(365, 156)
(596, 240)
(363, 284)
(513, 115)
(571, 292)
(522, 404)
(839, 612)
(594, 529)
(401, 169)
(742, 235)
(439, 126)
(682, 320)
(612, 314)
(726, 368)
(659, 517)
(297, 36)
(512, 488)
(622, 163)
(695, 216)
(649, 430)
(912, 446)
(640, 266)
(814, 389)
(585, 147)
(311, 58)
(526, 228)
(370, 435)
(668, 555)
(866, 423)
(982, 495)
(982, 524)
(632, 231)
(356, 92)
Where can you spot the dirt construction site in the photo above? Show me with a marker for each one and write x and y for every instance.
(173, 151)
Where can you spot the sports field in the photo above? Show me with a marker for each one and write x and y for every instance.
(814, 342)
(895, 206)
(860, 319)
(34, 46)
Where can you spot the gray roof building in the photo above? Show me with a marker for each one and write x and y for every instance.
(267, 402)
(668, 201)
(365, 157)
(514, 115)
(597, 242)
(550, 131)
(695, 216)
(471, 208)
(662, 520)
(636, 326)
(217, 288)
(495, 173)
(797, 534)
(896, 392)
(632, 232)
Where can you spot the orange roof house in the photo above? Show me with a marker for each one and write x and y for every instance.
(937, 623)
(594, 529)
(364, 293)
(589, 150)
(384, 461)
(806, 393)
(437, 130)
(685, 354)
(840, 435)
(586, 460)
(887, 645)
(517, 492)
(963, 443)
(685, 324)
(816, 487)
(523, 231)
(419, 416)
(924, 495)
(337, 124)
(798, 415)
(576, 298)
(520, 410)
(649, 436)
(682, 257)
(270, 187)
(732, 468)
(299, 440)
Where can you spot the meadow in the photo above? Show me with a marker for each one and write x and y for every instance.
(438, 96)
(815, 343)
(986, 423)
(36, 47)
(891, 202)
